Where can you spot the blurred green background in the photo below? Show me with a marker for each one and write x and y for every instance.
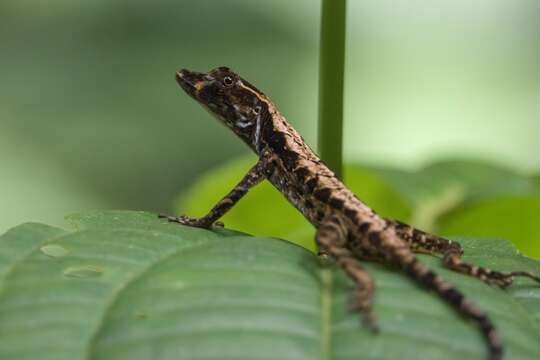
(91, 117)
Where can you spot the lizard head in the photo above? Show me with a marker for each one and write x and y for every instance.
(234, 101)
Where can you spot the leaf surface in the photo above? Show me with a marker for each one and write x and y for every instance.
(509, 217)
(126, 285)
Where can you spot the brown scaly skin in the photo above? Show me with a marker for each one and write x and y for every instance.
(348, 230)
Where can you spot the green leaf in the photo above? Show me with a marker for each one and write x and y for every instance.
(512, 217)
(264, 211)
(375, 190)
(445, 185)
(464, 197)
(475, 179)
(152, 290)
(536, 180)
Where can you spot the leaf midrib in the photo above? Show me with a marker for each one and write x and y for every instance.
(326, 313)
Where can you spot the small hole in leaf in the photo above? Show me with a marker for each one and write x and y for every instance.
(83, 271)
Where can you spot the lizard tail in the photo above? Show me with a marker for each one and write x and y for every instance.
(422, 274)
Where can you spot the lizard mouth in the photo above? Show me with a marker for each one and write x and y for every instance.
(192, 82)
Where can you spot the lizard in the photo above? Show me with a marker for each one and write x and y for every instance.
(348, 230)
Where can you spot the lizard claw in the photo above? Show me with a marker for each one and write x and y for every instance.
(366, 312)
(324, 259)
(503, 280)
(188, 221)
(182, 219)
(168, 217)
(219, 224)
(528, 274)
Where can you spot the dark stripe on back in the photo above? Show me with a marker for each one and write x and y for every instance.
(336, 203)
(302, 173)
(289, 158)
(351, 213)
(311, 184)
(323, 194)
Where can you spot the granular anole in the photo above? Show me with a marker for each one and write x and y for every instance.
(347, 229)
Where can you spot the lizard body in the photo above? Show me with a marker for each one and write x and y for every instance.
(347, 229)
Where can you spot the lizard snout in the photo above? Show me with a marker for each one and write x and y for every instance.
(190, 81)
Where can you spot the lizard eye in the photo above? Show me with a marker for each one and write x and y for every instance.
(257, 110)
(228, 81)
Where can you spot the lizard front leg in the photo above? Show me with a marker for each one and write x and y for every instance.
(254, 176)
(420, 241)
(331, 239)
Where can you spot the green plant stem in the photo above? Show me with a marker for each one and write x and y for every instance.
(331, 71)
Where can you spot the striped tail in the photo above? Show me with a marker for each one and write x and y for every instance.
(422, 274)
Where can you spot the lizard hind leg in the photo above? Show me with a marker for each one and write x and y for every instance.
(331, 239)
(422, 242)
